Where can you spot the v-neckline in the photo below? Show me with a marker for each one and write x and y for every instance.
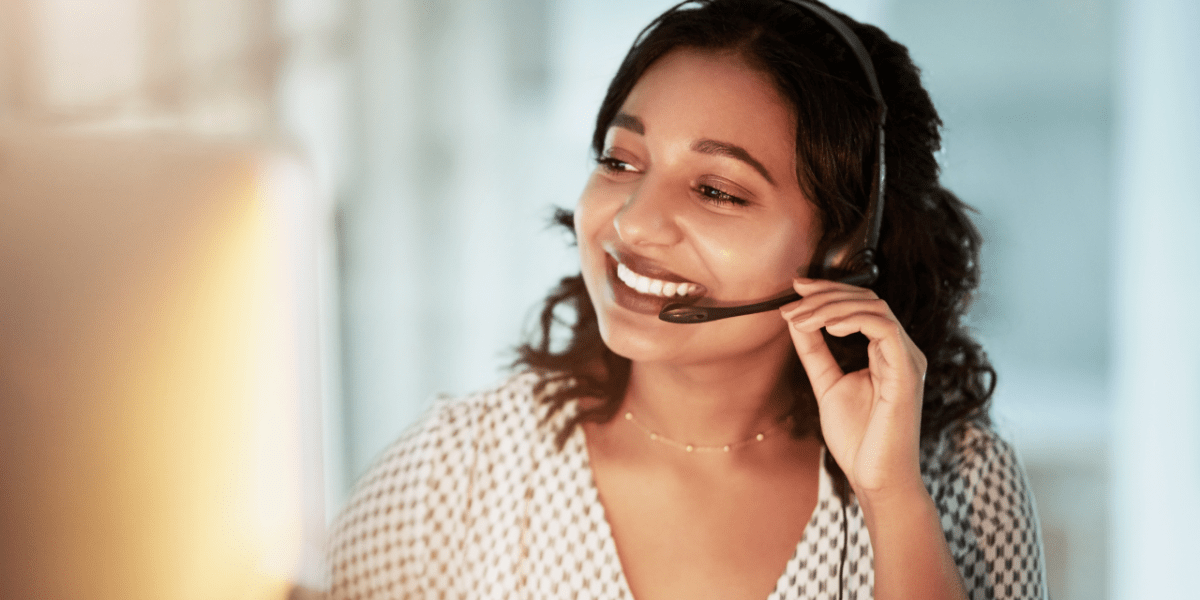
(577, 442)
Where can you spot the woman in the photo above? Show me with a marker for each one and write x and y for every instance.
(835, 448)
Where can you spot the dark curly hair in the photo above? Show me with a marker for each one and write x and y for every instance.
(929, 249)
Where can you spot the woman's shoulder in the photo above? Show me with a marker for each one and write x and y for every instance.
(457, 425)
(412, 502)
(515, 396)
(967, 459)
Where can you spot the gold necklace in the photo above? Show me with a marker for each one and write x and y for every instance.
(658, 437)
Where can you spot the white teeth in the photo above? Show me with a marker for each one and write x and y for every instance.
(623, 272)
(654, 287)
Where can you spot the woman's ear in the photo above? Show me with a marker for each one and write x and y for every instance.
(848, 259)
(824, 257)
(832, 256)
(838, 257)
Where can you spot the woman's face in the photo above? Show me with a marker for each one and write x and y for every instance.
(695, 197)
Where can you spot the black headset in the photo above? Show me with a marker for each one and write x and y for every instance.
(860, 264)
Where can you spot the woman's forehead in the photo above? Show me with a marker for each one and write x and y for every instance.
(715, 99)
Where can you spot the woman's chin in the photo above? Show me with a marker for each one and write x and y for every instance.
(635, 332)
(638, 345)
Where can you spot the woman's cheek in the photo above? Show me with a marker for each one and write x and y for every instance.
(590, 226)
(787, 253)
(591, 203)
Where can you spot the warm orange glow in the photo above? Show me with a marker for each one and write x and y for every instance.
(149, 376)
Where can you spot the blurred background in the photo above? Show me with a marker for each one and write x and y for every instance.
(424, 144)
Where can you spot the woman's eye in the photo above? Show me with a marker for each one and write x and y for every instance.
(720, 198)
(613, 165)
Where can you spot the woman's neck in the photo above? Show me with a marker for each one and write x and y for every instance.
(711, 404)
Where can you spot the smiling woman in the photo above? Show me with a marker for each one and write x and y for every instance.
(836, 448)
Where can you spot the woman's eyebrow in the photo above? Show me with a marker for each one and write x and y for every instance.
(732, 151)
(704, 146)
(630, 122)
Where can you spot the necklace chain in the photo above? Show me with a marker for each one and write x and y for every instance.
(686, 447)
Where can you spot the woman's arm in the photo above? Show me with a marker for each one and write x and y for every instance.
(871, 420)
(912, 558)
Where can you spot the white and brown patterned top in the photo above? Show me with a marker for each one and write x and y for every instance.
(477, 502)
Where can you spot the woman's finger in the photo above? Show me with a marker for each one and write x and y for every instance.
(822, 369)
(828, 312)
(811, 303)
(842, 310)
(885, 334)
(891, 346)
(809, 287)
(816, 293)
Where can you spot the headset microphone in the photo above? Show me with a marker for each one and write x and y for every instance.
(861, 264)
(677, 313)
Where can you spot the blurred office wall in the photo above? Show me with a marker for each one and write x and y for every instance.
(1155, 456)
(441, 133)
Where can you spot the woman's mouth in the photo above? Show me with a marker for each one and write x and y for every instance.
(646, 294)
(654, 287)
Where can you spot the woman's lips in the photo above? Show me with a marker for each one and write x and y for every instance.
(642, 293)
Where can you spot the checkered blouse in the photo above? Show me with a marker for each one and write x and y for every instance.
(476, 502)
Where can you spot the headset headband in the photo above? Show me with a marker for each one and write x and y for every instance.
(861, 263)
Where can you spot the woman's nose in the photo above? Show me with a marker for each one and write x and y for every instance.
(649, 216)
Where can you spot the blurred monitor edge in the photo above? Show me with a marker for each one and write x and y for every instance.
(155, 362)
